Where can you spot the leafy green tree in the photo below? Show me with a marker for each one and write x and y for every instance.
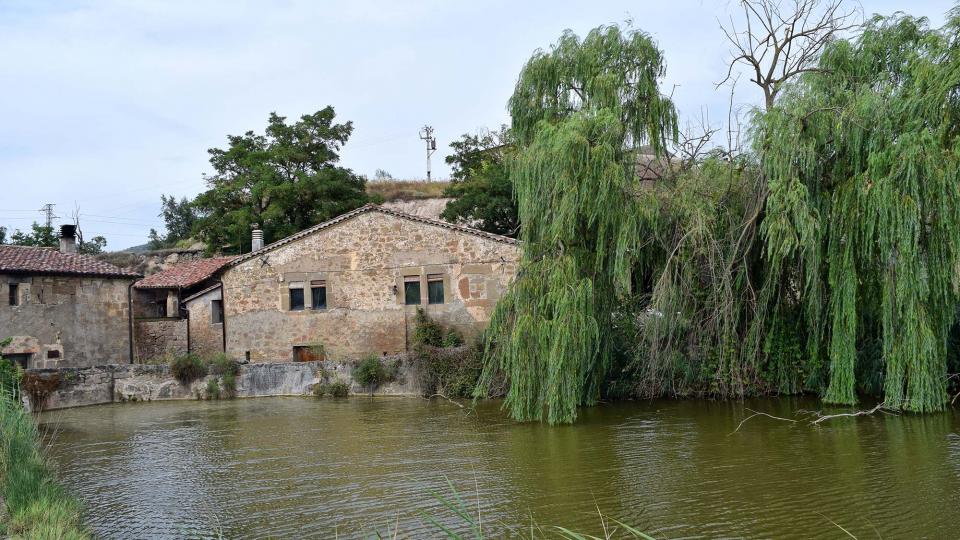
(480, 185)
(39, 236)
(94, 246)
(863, 215)
(285, 180)
(580, 115)
(179, 218)
(3, 235)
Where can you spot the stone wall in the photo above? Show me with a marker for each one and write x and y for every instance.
(363, 261)
(157, 338)
(144, 382)
(65, 321)
(206, 336)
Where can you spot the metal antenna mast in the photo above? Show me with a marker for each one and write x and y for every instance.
(48, 210)
(427, 134)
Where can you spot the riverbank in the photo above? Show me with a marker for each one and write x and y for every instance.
(34, 504)
(63, 388)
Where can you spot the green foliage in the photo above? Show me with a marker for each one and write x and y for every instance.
(285, 180)
(452, 372)
(864, 210)
(581, 114)
(228, 385)
(338, 389)
(221, 364)
(187, 368)
(426, 332)
(39, 236)
(179, 218)
(10, 376)
(480, 185)
(36, 505)
(452, 338)
(212, 390)
(94, 246)
(370, 372)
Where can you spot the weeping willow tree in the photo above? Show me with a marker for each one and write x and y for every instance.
(580, 114)
(862, 221)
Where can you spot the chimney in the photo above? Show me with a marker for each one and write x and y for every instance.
(68, 239)
(257, 241)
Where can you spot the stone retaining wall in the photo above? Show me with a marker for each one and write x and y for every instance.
(76, 387)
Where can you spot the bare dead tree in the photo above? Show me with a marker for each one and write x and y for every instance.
(780, 39)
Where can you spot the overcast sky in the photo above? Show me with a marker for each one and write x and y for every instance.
(106, 105)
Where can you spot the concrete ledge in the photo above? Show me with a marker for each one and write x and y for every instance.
(114, 383)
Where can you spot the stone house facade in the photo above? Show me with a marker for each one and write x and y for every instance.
(63, 309)
(162, 324)
(351, 287)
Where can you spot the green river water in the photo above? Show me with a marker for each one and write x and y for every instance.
(307, 468)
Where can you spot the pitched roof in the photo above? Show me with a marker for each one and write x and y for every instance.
(366, 209)
(50, 261)
(185, 274)
(201, 292)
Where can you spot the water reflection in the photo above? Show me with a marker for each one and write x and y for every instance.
(293, 467)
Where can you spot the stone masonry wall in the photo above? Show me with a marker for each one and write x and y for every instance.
(157, 338)
(144, 382)
(206, 336)
(364, 261)
(65, 321)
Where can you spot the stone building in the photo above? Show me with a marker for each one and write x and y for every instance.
(351, 287)
(63, 309)
(162, 325)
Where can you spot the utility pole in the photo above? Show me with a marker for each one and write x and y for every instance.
(48, 210)
(427, 134)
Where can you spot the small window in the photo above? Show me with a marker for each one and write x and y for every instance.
(162, 308)
(318, 294)
(14, 294)
(435, 288)
(216, 311)
(296, 299)
(411, 290)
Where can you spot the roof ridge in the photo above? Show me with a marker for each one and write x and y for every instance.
(370, 207)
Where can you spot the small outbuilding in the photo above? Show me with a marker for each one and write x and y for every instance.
(162, 324)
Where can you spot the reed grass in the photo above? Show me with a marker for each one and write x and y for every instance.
(37, 507)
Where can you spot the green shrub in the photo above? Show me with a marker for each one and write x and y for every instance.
(427, 332)
(370, 372)
(451, 372)
(452, 339)
(229, 386)
(213, 389)
(221, 364)
(321, 389)
(187, 368)
(339, 388)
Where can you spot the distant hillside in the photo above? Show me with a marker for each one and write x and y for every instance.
(405, 190)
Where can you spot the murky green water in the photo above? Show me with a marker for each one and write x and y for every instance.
(298, 467)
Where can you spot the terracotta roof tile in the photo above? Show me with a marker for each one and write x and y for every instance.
(186, 274)
(38, 260)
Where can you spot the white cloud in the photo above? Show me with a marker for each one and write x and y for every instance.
(109, 104)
